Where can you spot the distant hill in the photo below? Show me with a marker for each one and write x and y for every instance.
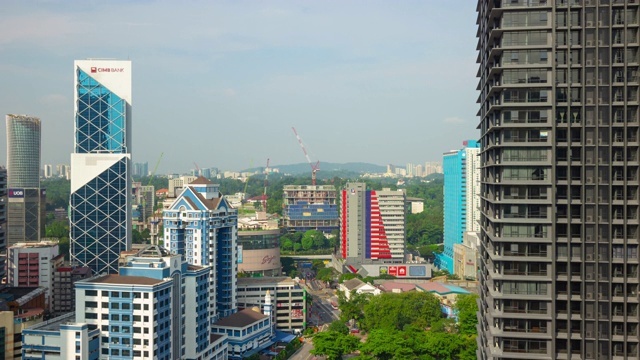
(303, 168)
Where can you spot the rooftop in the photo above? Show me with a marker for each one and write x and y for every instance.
(353, 284)
(54, 324)
(442, 289)
(241, 318)
(201, 181)
(124, 280)
(393, 285)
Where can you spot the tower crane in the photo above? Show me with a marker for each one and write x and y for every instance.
(314, 168)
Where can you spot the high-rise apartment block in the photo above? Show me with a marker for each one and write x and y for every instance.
(559, 156)
(47, 171)
(461, 198)
(310, 207)
(201, 226)
(140, 169)
(3, 221)
(26, 201)
(372, 232)
(100, 214)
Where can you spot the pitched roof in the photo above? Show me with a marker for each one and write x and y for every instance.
(241, 318)
(442, 289)
(211, 204)
(392, 285)
(201, 181)
(353, 284)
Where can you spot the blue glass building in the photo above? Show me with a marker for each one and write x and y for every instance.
(100, 220)
(461, 183)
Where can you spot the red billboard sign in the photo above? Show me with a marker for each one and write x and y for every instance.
(402, 271)
(393, 270)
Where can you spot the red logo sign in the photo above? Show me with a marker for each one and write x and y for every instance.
(393, 270)
(402, 271)
(267, 259)
(94, 69)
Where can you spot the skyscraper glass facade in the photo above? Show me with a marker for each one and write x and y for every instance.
(100, 118)
(23, 151)
(100, 219)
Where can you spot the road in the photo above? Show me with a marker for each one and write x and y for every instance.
(304, 352)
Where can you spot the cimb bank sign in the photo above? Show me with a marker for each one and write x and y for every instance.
(95, 69)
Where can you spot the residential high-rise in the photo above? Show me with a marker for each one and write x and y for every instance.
(201, 226)
(26, 201)
(372, 230)
(3, 221)
(559, 133)
(100, 216)
(47, 171)
(461, 198)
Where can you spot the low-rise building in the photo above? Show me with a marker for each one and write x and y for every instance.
(248, 331)
(61, 338)
(21, 308)
(466, 256)
(358, 286)
(290, 309)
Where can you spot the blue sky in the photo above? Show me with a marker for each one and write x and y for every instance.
(221, 83)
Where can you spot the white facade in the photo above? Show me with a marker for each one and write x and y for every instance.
(48, 171)
(290, 307)
(23, 259)
(472, 172)
(176, 185)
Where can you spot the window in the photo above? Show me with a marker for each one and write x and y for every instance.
(90, 315)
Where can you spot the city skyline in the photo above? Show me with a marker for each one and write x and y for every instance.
(339, 77)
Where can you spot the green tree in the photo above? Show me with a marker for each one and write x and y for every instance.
(334, 344)
(318, 240)
(389, 344)
(467, 308)
(325, 274)
(287, 244)
(395, 311)
(297, 246)
(307, 243)
(57, 229)
(339, 326)
(348, 276)
(353, 308)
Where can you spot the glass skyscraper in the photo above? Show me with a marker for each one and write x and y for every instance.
(560, 168)
(100, 222)
(26, 201)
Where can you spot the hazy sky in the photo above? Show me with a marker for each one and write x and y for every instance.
(221, 83)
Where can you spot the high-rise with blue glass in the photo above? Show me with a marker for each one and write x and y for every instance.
(461, 198)
(100, 221)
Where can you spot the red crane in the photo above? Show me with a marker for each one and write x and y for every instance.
(314, 168)
(264, 193)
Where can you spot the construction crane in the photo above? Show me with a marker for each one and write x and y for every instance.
(314, 168)
(197, 168)
(264, 192)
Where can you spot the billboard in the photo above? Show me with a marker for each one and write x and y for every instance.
(239, 254)
(402, 271)
(417, 270)
(393, 270)
(15, 193)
